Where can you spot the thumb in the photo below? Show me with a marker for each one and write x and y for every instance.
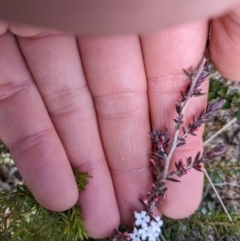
(111, 17)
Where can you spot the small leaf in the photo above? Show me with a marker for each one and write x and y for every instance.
(235, 99)
(172, 179)
(214, 85)
(197, 157)
(143, 202)
(160, 154)
(223, 90)
(197, 169)
(193, 134)
(181, 143)
(171, 173)
(189, 160)
(212, 96)
(175, 120)
(227, 105)
(187, 73)
(164, 189)
(199, 95)
(184, 130)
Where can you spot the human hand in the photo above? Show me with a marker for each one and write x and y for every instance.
(89, 108)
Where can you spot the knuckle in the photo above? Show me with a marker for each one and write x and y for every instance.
(11, 89)
(66, 100)
(29, 142)
(119, 105)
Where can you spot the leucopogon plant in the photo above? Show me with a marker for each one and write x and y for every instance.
(23, 219)
(19, 211)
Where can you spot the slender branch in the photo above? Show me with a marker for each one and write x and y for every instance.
(220, 131)
(176, 133)
(218, 196)
(162, 237)
(205, 172)
(226, 184)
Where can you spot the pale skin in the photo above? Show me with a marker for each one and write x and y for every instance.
(69, 101)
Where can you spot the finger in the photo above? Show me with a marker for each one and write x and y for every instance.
(25, 30)
(93, 17)
(225, 44)
(28, 132)
(56, 67)
(3, 27)
(116, 78)
(165, 54)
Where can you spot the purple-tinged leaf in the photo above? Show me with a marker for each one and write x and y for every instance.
(189, 160)
(219, 150)
(193, 134)
(194, 119)
(201, 115)
(165, 146)
(196, 159)
(178, 109)
(143, 202)
(171, 173)
(198, 169)
(161, 184)
(167, 140)
(163, 190)
(180, 117)
(184, 130)
(172, 179)
(160, 154)
(176, 121)
(181, 143)
(189, 75)
(198, 95)
(203, 75)
(182, 94)
(165, 132)
(217, 105)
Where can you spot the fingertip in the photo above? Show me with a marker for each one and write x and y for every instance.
(98, 229)
(98, 203)
(60, 201)
(225, 45)
(100, 219)
(3, 26)
(183, 198)
(27, 31)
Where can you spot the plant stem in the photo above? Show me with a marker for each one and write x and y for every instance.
(216, 192)
(220, 131)
(162, 237)
(176, 133)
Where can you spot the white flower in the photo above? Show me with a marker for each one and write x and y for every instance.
(159, 221)
(135, 236)
(142, 219)
(149, 233)
(155, 228)
(143, 233)
(144, 229)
